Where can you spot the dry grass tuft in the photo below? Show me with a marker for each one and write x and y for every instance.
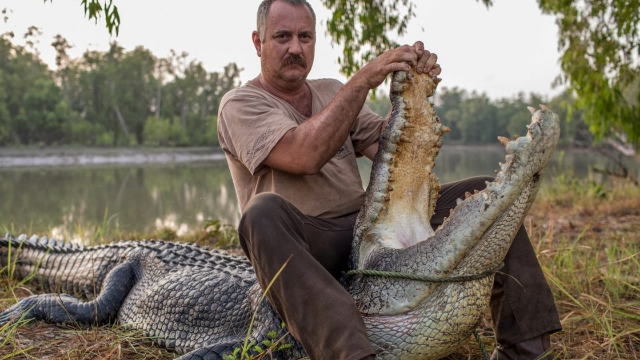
(587, 237)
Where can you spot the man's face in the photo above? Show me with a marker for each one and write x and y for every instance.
(288, 49)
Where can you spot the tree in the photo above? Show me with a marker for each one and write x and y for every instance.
(599, 40)
(600, 61)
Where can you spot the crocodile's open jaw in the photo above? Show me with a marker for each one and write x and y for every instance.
(393, 231)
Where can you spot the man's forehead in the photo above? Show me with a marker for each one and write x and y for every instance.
(283, 16)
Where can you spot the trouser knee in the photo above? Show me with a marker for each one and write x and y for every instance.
(266, 218)
(263, 208)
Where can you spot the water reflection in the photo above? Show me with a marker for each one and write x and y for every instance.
(131, 198)
(142, 199)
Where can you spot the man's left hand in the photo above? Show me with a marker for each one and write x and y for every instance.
(427, 61)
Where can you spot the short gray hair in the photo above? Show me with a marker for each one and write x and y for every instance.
(263, 11)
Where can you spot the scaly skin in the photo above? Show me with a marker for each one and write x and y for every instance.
(199, 302)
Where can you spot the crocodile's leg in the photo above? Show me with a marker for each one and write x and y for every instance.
(66, 309)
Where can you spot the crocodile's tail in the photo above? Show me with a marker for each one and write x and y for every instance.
(57, 266)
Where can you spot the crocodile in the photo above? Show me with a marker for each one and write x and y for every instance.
(200, 302)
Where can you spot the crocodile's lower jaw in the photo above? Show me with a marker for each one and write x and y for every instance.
(393, 231)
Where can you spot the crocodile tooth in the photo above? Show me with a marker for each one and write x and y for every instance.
(403, 138)
(503, 140)
(516, 136)
(495, 172)
(532, 110)
(437, 80)
(476, 191)
(458, 202)
(445, 129)
(387, 158)
(543, 107)
(390, 171)
(408, 125)
(390, 188)
(394, 136)
(467, 194)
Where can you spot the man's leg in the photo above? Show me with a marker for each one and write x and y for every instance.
(522, 309)
(315, 307)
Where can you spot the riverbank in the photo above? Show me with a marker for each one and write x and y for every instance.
(74, 156)
(88, 156)
(586, 237)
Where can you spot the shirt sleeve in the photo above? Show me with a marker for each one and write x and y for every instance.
(250, 126)
(367, 129)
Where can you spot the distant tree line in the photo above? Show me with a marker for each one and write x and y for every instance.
(132, 98)
(112, 98)
(475, 119)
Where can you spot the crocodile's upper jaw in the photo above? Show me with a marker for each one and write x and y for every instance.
(400, 199)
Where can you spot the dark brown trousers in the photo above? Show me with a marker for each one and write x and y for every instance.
(322, 315)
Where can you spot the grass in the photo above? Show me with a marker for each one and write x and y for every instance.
(586, 235)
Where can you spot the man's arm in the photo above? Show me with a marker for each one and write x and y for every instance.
(306, 148)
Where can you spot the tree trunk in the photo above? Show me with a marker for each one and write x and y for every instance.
(123, 124)
(158, 101)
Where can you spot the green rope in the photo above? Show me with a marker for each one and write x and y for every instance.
(481, 344)
(393, 274)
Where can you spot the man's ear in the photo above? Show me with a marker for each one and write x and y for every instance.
(255, 36)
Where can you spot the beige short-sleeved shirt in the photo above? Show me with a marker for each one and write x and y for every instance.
(251, 121)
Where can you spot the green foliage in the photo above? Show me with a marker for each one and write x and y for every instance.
(224, 236)
(93, 10)
(164, 132)
(253, 350)
(107, 98)
(476, 119)
(601, 61)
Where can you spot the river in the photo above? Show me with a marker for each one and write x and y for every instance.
(141, 191)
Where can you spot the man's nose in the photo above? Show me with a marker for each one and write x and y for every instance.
(295, 46)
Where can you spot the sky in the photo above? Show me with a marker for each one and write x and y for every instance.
(501, 51)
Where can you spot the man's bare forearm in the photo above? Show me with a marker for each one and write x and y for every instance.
(318, 139)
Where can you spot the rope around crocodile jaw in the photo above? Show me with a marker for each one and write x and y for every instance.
(393, 274)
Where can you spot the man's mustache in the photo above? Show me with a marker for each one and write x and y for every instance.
(295, 60)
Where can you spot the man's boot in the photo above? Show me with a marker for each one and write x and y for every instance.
(529, 349)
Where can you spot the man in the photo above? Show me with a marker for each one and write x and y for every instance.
(291, 145)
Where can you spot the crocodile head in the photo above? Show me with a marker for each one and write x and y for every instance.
(413, 319)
